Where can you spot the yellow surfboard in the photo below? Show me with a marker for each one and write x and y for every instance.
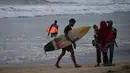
(61, 41)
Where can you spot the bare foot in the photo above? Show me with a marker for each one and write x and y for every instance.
(77, 66)
(57, 66)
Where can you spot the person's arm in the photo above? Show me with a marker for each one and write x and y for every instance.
(115, 35)
(115, 43)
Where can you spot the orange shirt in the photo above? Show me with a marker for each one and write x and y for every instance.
(53, 29)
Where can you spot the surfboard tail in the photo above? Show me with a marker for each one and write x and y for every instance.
(45, 51)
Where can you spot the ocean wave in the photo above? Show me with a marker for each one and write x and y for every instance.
(25, 11)
(88, 2)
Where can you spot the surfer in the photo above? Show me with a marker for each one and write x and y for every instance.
(95, 43)
(70, 47)
(53, 29)
(111, 41)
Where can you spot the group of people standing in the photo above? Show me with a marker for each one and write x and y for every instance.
(104, 41)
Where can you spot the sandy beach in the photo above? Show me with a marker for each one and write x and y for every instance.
(120, 67)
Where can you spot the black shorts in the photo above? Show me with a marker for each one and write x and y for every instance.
(68, 48)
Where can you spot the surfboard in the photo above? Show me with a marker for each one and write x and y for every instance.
(61, 41)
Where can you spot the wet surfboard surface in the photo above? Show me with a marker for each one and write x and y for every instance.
(61, 41)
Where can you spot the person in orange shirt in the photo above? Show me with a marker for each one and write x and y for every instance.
(53, 29)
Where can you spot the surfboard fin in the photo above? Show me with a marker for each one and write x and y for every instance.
(45, 53)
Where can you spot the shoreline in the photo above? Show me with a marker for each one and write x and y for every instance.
(120, 66)
(119, 17)
(37, 16)
(87, 58)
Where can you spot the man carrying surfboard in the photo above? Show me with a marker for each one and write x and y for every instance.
(53, 29)
(70, 47)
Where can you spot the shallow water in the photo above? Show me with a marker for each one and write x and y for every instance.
(22, 39)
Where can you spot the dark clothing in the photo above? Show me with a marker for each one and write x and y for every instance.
(54, 34)
(95, 43)
(111, 43)
(98, 52)
(111, 52)
(105, 57)
(68, 48)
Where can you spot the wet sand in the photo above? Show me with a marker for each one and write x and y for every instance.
(120, 67)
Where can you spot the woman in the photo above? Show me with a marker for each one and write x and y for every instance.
(102, 38)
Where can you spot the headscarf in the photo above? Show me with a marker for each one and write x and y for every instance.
(102, 34)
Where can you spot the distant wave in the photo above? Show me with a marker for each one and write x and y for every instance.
(39, 8)
(86, 2)
(12, 2)
(24, 11)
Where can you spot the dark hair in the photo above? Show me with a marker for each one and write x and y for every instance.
(110, 22)
(72, 20)
(55, 21)
(94, 26)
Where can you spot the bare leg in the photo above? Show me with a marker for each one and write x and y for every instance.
(60, 57)
(73, 58)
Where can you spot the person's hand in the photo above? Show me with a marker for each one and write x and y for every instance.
(73, 41)
(76, 39)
